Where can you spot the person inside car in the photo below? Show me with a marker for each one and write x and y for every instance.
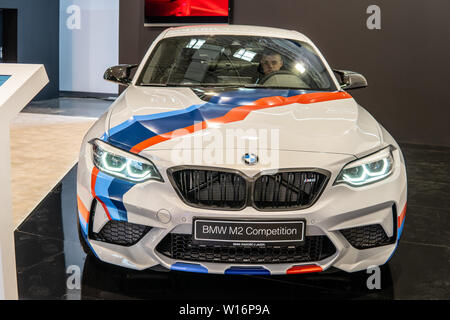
(271, 62)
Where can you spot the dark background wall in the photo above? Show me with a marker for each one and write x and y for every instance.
(38, 38)
(406, 62)
(8, 38)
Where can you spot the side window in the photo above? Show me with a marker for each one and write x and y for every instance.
(153, 69)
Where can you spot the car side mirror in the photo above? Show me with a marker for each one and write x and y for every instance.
(120, 74)
(350, 80)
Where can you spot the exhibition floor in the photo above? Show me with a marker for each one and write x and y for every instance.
(57, 126)
(32, 174)
(47, 247)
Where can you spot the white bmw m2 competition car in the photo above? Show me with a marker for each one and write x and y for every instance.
(237, 150)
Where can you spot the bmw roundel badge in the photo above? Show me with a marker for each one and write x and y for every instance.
(250, 159)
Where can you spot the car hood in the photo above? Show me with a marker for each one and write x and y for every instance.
(149, 118)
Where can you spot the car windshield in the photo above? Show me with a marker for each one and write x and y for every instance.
(245, 61)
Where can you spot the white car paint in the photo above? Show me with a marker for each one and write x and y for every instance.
(325, 135)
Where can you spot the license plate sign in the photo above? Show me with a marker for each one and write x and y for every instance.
(249, 231)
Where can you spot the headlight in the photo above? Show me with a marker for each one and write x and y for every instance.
(372, 168)
(122, 164)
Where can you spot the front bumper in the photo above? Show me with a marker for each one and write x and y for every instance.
(157, 205)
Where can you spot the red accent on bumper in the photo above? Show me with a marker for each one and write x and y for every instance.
(94, 174)
(304, 269)
(401, 217)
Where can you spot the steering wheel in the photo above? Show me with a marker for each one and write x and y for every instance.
(275, 73)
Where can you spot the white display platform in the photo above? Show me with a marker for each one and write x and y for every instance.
(16, 92)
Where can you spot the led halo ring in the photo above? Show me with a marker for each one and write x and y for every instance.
(365, 174)
(128, 167)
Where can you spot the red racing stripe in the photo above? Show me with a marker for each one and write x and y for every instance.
(94, 174)
(304, 269)
(240, 113)
(401, 217)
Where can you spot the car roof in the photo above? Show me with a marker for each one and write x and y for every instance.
(235, 30)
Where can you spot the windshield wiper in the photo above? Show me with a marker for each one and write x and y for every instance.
(216, 85)
(153, 85)
(190, 85)
(259, 86)
(224, 85)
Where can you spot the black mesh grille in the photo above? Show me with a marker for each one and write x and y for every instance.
(211, 189)
(228, 190)
(121, 233)
(181, 247)
(367, 236)
(287, 190)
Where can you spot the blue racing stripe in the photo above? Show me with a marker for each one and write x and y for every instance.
(247, 271)
(89, 244)
(110, 191)
(141, 128)
(188, 267)
(83, 224)
(248, 96)
(400, 230)
(154, 116)
(399, 234)
(146, 129)
(117, 190)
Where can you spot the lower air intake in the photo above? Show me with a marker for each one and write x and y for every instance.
(366, 237)
(181, 247)
(121, 233)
